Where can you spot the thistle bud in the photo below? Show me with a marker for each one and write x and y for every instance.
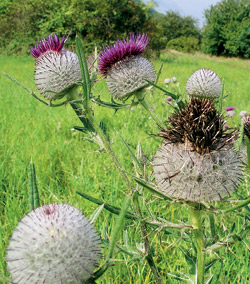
(204, 83)
(53, 244)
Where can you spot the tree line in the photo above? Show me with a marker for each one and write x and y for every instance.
(226, 30)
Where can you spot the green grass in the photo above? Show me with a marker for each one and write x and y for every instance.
(65, 163)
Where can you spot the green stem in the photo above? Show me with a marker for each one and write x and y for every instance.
(238, 206)
(109, 150)
(141, 98)
(125, 206)
(199, 242)
(143, 227)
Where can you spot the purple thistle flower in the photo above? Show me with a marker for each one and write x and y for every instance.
(51, 43)
(124, 67)
(226, 126)
(230, 108)
(121, 50)
(57, 69)
(169, 99)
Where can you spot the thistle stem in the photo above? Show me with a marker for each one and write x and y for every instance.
(143, 227)
(125, 206)
(199, 242)
(141, 98)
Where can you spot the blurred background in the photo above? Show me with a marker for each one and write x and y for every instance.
(210, 26)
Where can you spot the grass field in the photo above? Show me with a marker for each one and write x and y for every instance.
(65, 163)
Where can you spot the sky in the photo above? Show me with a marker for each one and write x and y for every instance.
(194, 8)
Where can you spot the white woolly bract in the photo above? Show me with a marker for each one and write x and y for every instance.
(53, 244)
(56, 72)
(204, 83)
(185, 174)
(127, 76)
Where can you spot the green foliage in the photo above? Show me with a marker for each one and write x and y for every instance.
(175, 26)
(180, 33)
(23, 22)
(66, 163)
(185, 44)
(227, 29)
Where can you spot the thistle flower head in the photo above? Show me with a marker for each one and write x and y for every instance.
(121, 50)
(230, 111)
(57, 69)
(197, 161)
(204, 83)
(53, 244)
(199, 125)
(124, 67)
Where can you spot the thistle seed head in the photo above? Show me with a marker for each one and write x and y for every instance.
(204, 83)
(246, 120)
(197, 161)
(126, 77)
(53, 244)
(185, 174)
(199, 125)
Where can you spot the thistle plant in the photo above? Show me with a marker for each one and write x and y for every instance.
(54, 243)
(196, 167)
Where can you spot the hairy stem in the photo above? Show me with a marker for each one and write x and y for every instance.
(143, 228)
(141, 98)
(199, 242)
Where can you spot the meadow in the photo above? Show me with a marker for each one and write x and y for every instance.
(66, 163)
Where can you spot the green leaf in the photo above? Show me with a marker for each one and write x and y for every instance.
(191, 260)
(163, 90)
(210, 264)
(112, 105)
(158, 73)
(33, 189)
(32, 93)
(131, 153)
(96, 213)
(151, 187)
(179, 102)
(113, 209)
(221, 97)
(84, 70)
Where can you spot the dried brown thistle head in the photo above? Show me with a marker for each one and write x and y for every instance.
(246, 120)
(198, 125)
(197, 161)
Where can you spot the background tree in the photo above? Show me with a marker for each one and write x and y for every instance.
(98, 22)
(227, 29)
(181, 33)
